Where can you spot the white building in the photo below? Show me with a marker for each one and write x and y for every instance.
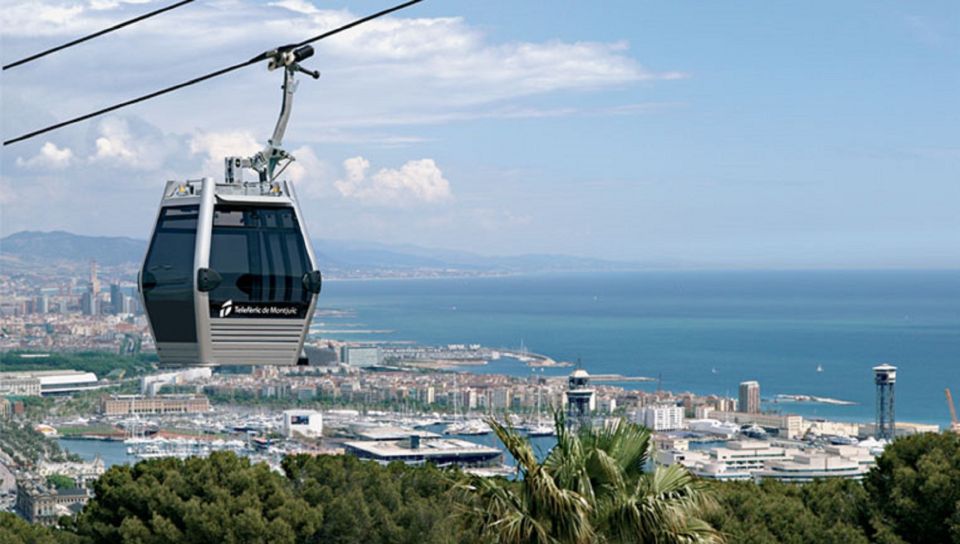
(712, 426)
(308, 423)
(737, 461)
(702, 411)
(19, 386)
(46, 382)
(608, 405)
(151, 385)
(662, 417)
(752, 460)
(749, 397)
(832, 428)
(362, 356)
(787, 425)
(747, 454)
(805, 467)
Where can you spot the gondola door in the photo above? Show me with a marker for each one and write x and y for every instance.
(258, 310)
(167, 284)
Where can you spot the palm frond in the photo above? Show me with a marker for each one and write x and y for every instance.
(591, 487)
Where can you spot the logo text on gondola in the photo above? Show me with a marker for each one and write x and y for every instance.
(231, 309)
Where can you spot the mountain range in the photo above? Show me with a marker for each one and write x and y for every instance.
(340, 257)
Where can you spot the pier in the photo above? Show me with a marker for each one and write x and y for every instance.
(812, 398)
(619, 378)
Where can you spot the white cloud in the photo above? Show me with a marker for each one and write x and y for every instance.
(307, 170)
(297, 6)
(50, 156)
(219, 145)
(391, 71)
(417, 180)
(40, 18)
(135, 148)
(308, 173)
(111, 4)
(114, 142)
(382, 82)
(464, 67)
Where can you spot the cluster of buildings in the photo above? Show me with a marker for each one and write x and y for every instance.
(39, 501)
(793, 449)
(759, 460)
(74, 332)
(31, 294)
(62, 313)
(56, 312)
(43, 504)
(463, 392)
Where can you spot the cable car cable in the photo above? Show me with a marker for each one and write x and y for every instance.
(131, 102)
(262, 56)
(96, 34)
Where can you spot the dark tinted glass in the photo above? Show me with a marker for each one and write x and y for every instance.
(168, 276)
(260, 253)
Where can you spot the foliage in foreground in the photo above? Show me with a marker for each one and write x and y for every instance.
(14, 530)
(916, 488)
(912, 497)
(831, 511)
(227, 499)
(591, 487)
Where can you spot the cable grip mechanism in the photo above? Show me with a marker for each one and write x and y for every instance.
(265, 162)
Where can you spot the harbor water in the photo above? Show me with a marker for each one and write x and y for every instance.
(703, 332)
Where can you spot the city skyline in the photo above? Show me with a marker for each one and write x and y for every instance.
(517, 272)
(754, 142)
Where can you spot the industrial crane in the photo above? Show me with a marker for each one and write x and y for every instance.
(954, 424)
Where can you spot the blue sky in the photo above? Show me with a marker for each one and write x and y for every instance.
(679, 134)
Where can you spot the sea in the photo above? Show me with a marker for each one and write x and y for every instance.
(815, 333)
(697, 331)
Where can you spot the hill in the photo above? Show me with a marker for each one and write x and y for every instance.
(337, 257)
(59, 246)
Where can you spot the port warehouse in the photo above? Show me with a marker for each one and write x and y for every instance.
(122, 405)
(35, 383)
(415, 450)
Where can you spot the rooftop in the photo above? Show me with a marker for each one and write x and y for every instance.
(393, 433)
(430, 449)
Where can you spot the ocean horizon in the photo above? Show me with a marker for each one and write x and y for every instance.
(698, 331)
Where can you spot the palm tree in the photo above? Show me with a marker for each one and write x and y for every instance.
(591, 487)
(538, 512)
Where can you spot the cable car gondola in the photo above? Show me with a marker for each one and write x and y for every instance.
(230, 277)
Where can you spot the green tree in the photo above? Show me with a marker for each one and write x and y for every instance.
(591, 487)
(828, 511)
(223, 498)
(915, 490)
(363, 501)
(61, 481)
(14, 530)
(100, 363)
